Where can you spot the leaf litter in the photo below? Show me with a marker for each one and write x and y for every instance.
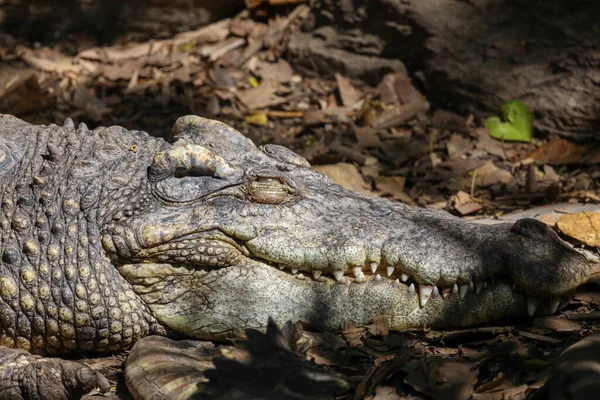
(382, 140)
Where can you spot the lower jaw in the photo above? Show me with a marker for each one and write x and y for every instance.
(226, 301)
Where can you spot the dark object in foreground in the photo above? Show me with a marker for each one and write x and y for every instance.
(575, 374)
(265, 366)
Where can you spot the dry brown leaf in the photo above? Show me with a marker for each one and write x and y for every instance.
(49, 61)
(558, 152)
(396, 88)
(393, 186)
(557, 324)
(353, 335)
(390, 184)
(464, 204)
(280, 71)
(399, 114)
(347, 175)
(444, 379)
(457, 146)
(589, 297)
(513, 393)
(380, 326)
(348, 93)
(23, 96)
(260, 97)
(584, 226)
(385, 393)
(488, 174)
(122, 71)
(492, 146)
(327, 357)
(366, 136)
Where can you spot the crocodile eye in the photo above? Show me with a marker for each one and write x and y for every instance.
(269, 190)
(270, 180)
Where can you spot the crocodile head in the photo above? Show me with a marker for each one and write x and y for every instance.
(229, 234)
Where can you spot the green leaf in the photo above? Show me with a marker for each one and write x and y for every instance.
(514, 124)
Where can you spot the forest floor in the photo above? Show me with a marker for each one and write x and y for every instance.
(384, 140)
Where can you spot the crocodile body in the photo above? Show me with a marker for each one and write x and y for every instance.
(109, 235)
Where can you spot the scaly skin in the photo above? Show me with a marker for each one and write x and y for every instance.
(110, 235)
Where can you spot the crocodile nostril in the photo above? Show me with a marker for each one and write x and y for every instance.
(533, 229)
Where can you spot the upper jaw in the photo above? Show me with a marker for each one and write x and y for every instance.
(455, 259)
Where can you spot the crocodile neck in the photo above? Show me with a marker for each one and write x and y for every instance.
(58, 290)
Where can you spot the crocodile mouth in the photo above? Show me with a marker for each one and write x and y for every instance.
(375, 273)
(221, 251)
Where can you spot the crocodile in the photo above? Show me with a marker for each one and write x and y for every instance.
(110, 235)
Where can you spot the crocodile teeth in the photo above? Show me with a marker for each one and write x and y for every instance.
(360, 278)
(532, 304)
(294, 271)
(378, 277)
(436, 292)
(281, 266)
(471, 286)
(514, 286)
(485, 285)
(373, 266)
(411, 288)
(553, 304)
(462, 290)
(317, 274)
(300, 276)
(397, 281)
(356, 271)
(455, 289)
(390, 271)
(478, 286)
(404, 277)
(424, 294)
(338, 275)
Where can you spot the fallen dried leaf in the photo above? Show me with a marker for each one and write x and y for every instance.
(353, 335)
(464, 204)
(457, 146)
(260, 97)
(393, 186)
(380, 326)
(557, 324)
(348, 93)
(584, 226)
(491, 145)
(385, 393)
(347, 175)
(513, 393)
(489, 174)
(558, 152)
(444, 379)
(397, 88)
(399, 114)
(589, 297)
(366, 136)
(279, 71)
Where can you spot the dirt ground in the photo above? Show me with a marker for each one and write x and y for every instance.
(383, 140)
